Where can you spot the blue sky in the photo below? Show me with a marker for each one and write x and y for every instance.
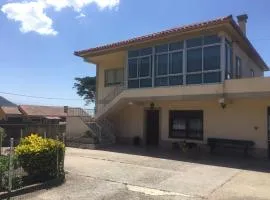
(37, 40)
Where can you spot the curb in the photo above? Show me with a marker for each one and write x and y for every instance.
(32, 188)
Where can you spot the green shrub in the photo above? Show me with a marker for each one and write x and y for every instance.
(4, 160)
(38, 156)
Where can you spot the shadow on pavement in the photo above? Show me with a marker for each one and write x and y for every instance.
(220, 158)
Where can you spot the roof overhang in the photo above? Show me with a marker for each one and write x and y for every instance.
(184, 31)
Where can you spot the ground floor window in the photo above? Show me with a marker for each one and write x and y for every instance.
(186, 124)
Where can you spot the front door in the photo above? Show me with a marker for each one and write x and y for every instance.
(152, 127)
(268, 124)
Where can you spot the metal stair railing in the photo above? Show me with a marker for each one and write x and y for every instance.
(111, 96)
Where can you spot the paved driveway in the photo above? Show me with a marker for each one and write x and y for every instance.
(136, 173)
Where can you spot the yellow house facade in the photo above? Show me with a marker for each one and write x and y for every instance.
(189, 83)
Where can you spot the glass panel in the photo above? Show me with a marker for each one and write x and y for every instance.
(195, 42)
(146, 51)
(109, 77)
(195, 124)
(176, 46)
(238, 67)
(211, 58)
(132, 54)
(132, 68)
(227, 62)
(161, 81)
(212, 39)
(176, 80)
(144, 67)
(252, 74)
(195, 128)
(194, 60)
(133, 84)
(162, 64)
(176, 63)
(178, 128)
(162, 48)
(146, 82)
(212, 77)
(119, 76)
(179, 124)
(194, 79)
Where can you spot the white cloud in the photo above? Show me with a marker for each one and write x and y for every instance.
(81, 15)
(33, 18)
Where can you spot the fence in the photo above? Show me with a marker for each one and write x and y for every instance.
(12, 175)
(19, 130)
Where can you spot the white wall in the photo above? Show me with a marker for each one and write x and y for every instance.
(75, 127)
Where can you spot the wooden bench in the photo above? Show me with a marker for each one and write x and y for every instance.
(244, 144)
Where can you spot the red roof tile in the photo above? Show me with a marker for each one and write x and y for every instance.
(33, 110)
(181, 29)
(11, 110)
(155, 35)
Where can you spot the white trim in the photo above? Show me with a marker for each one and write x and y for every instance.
(223, 59)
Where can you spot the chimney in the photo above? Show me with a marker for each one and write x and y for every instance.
(242, 21)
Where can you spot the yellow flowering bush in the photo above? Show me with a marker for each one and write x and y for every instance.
(38, 156)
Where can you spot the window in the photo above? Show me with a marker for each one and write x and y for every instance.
(164, 64)
(176, 63)
(114, 77)
(169, 64)
(140, 68)
(238, 67)
(194, 60)
(194, 42)
(132, 68)
(186, 124)
(252, 73)
(203, 60)
(211, 58)
(144, 67)
(228, 60)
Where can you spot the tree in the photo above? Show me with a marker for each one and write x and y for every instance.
(86, 88)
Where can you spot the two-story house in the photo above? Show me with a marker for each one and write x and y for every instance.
(189, 83)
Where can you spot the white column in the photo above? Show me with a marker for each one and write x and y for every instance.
(184, 62)
(223, 58)
(153, 66)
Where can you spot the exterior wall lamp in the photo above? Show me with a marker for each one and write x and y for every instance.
(152, 105)
(222, 103)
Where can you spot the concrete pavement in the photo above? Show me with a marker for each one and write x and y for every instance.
(140, 174)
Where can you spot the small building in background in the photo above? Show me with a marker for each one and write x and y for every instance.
(22, 120)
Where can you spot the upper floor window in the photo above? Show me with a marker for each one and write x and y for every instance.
(192, 61)
(252, 73)
(203, 60)
(228, 60)
(114, 76)
(169, 64)
(139, 68)
(238, 67)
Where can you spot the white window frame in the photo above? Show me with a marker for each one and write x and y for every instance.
(114, 70)
(153, 67)
(238, 67)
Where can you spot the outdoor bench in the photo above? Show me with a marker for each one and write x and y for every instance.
(230, 143)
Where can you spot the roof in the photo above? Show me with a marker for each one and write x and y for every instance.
(11, 110)
(42, 111)
(171, 32)
(156, 35)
